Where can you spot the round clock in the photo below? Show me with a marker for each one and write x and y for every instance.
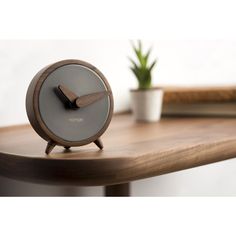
(69, 103)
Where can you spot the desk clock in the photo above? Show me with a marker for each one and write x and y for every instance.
(69, 103)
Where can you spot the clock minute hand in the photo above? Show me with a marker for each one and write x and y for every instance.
(71, 96)
(88, 99)
(83, 100)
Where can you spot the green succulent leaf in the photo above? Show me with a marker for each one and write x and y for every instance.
(147, 56)
(132, 62)
(142, 69)
(140, 45)
(152, 65)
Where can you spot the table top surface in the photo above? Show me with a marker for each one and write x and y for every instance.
(131, 151)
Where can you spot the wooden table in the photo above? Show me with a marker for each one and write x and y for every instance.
(132, 151)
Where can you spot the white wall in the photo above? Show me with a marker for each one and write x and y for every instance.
(180, 62)
(21, 60)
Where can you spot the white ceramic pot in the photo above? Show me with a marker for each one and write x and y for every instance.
(147, 104)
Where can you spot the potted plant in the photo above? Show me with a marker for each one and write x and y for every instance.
(146, 101)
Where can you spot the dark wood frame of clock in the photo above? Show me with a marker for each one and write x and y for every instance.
(32, 107)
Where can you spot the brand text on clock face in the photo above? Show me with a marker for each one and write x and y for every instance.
(76, 120)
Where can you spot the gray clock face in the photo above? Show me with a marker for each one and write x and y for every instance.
(73, 125)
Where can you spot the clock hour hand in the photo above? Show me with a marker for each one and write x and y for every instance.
(88, 99)
(71, 96)
(82, 101)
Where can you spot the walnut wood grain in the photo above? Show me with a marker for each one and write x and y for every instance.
(132, 151)
(195, 94)
(88, 99)
(99, 143)
(82, 101)
(118, 190)
(70, 95)
(50, 147)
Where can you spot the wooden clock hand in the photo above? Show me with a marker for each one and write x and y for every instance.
(82, 101)
(88, 99)
(71, 96)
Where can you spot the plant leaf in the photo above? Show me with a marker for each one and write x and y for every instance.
(152, 65)
(132, 61)
(140, 46)
(140, 69)
(147, 56)
(135, 73)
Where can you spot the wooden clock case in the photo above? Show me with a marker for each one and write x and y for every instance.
(32, 107)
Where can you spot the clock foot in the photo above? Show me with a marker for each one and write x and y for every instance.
(67, 147)
(98, 142)
(49, 147)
